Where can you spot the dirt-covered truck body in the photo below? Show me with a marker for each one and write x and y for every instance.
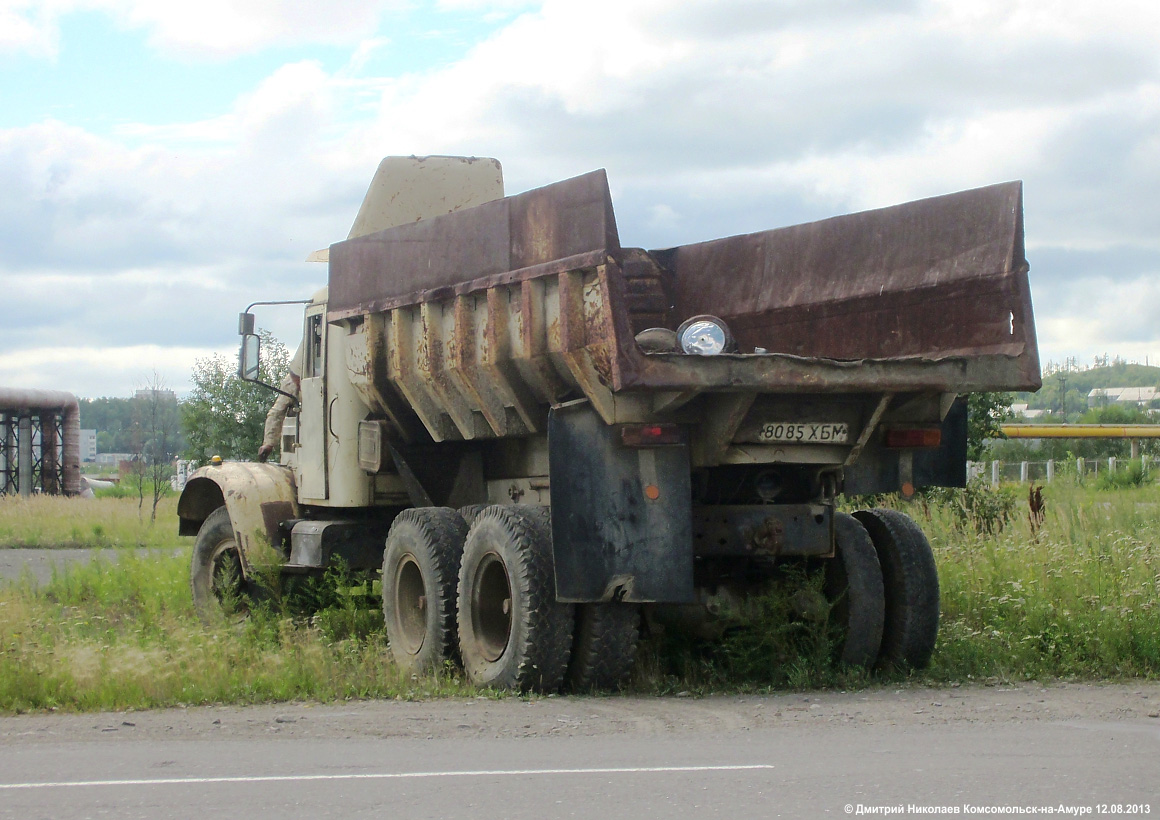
(637, 427)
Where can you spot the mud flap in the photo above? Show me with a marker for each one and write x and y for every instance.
(621, 516)
(880, 470)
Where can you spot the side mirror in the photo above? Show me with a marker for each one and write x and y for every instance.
(248, 358)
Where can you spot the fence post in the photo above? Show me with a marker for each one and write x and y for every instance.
(1024, 470)
(1050, 470)
(1144, 464)
(994, 473)
(1112, 464)
(1079, 468)
(1135, 445)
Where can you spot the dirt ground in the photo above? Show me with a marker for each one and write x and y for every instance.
(570, 716)
(593, 716)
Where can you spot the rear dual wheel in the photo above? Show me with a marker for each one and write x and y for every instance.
(487, 595)
(420, 572)
(853, 586)
(513, 633)
(910, 583)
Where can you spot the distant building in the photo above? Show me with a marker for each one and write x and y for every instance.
(113, 458)
(88, 445)
(1023, 411)
(181, 471)
(1140, 396)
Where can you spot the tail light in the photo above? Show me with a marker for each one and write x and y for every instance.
(651, 435)
(913, 437)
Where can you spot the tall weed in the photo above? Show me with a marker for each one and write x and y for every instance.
(1078, 598)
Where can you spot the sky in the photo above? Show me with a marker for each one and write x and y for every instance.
(165, 163)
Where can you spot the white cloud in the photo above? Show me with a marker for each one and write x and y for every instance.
(90, 372)
(27, 27)
(712, 118)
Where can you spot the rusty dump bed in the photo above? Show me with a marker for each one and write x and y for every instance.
(476, 318)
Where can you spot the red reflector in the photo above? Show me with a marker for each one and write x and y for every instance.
(916, 437)
(651, 435)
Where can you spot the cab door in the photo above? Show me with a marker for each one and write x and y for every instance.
(313, 484)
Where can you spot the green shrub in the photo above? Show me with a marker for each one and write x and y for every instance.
(1130, 475)
(978, 507)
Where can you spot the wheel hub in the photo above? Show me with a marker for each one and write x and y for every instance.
(491, 607)
(410, 605)
(226, 577)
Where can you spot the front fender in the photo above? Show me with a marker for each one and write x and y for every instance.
(258, 497)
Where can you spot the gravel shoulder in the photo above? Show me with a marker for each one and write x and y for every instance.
(596, 716)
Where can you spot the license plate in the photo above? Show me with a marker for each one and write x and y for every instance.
(805, 433)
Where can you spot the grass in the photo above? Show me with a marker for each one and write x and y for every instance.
(124, 636)
(1074, 597)
(51, 522)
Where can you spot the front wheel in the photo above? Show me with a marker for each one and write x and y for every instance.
(513, 633)
(216, 578)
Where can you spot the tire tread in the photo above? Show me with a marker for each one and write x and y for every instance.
(541, 659)
(910, 579)
(866, 599)
(604, 648)
(442, 531)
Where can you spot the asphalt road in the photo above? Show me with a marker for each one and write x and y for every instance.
(39, 564)
(780, 756)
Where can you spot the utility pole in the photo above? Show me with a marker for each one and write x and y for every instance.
(1063, 397)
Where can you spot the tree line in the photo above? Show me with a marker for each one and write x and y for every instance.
(222, 416)
(225, 416)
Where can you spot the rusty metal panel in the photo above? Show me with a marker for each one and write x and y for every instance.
(563, 226)
(483, 318)
(765, 530)
(933, 279)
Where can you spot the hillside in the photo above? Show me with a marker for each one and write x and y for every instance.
(1081, 382)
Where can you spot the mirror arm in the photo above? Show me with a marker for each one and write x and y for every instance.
(290, 396)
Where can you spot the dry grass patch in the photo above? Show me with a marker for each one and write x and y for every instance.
(50, 522)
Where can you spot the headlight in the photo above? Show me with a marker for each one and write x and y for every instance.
(705, 336)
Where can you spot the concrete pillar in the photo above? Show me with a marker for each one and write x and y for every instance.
(1024, 471)
(1079, 467)
(24, 456)
(49, 454)
(1112, 464)
(994, 473)
(1050, 470)
(1135, 444)
(1144, 463)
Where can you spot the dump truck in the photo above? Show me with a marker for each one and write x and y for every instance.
(536, 434)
